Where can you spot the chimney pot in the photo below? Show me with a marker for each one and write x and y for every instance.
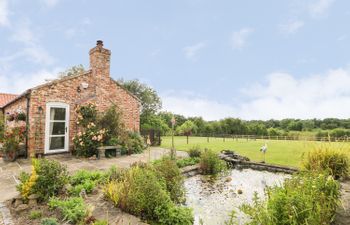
(99, 43)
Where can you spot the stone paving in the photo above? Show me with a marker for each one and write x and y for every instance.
(10, 171)
(342, 217)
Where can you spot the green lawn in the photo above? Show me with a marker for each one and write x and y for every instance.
(279, 152)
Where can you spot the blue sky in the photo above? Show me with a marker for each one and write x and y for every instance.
(247, 59)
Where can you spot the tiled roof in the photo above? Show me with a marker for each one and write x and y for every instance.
(5, 98)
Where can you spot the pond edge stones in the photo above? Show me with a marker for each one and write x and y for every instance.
(241, 162)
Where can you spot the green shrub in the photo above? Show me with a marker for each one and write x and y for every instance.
(111, 120)
(113, 174)
(49, 221)
(85, 180)
(83, 175)
(305, 199)
(326, 157)
(12, 139)
(88, 186)
(141, 193)
(210, 163)
(35, 215)
(87, 114)
(90, 135)
(195, 151)
(187, 162)
(73, 209)
(133, 142)
(47, 178)
(175, 215)
(167, 169)
(100, 222)
(87, 141)
(2, 127)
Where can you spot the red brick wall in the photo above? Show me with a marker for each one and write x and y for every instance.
(19, 105)
(62, 91)
(104, 95)
(101, 90)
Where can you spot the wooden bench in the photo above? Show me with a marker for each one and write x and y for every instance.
(102, 151)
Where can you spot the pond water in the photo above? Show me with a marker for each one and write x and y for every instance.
(213, 200)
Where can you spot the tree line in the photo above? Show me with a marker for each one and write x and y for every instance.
(154, 119)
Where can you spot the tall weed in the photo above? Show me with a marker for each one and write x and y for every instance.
(329, 158)
(305, 199)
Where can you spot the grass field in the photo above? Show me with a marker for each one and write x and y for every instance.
(287, 153)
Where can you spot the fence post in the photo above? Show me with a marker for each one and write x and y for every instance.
(208, 139)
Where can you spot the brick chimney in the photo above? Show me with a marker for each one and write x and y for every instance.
(100, 61)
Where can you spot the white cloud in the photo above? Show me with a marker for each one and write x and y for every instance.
(291, 26)
(188, 104)
(285, 96)
(4, 11)
(38, 55)
(320, 7)
(50, 3)
(23, 33)
(239, 38)
(192, 51)
(18, 82)
(282, 96)
(32, 50)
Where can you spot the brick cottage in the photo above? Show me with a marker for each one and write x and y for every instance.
(50, 108)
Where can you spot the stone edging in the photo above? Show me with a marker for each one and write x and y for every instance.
(190, 171)
(6, 215)
(240, 162)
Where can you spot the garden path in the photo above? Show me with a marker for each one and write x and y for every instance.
(342, 216)
(10, 171)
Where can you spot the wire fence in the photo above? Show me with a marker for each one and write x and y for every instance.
(225, 137)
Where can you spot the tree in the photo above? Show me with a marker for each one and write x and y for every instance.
(152, 125)
(150, 101)
(187, 128)
(200, 124)
(74, 70)
(167, 117)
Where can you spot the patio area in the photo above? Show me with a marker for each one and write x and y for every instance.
(10, 171)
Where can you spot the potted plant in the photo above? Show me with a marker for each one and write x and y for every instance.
(21, 116)
(12, 140)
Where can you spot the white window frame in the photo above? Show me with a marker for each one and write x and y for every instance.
(47, 127)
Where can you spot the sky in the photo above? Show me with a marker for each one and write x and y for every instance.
(215, 59)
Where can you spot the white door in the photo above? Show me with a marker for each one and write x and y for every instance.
(57, 127)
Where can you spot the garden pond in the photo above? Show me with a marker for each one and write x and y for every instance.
(213, 200)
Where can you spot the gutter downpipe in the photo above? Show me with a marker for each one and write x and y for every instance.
(27, 125)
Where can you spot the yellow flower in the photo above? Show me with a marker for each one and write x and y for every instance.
(27, 186)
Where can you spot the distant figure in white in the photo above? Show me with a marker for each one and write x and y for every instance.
(263, 149)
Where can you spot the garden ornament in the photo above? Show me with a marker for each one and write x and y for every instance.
(263, 149)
